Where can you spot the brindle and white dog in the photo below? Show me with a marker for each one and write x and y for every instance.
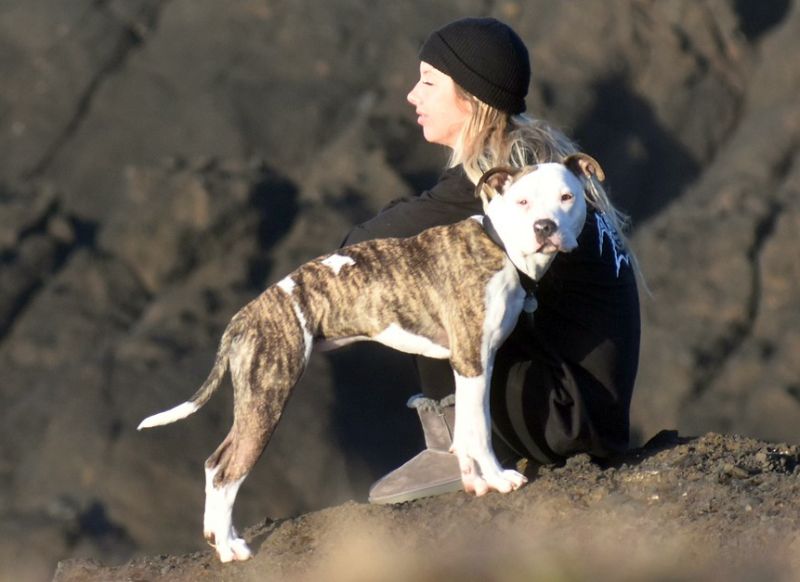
(452, 292)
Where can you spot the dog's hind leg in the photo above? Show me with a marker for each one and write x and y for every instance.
(218, 518)
(262, 383)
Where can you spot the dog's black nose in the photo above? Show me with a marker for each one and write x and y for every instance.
(543, 229)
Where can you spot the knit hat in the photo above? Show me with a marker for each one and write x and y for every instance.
(485, 57)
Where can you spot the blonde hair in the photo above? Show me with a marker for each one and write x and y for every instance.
(492, 138)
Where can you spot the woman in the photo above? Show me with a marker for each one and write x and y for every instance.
(563, 380)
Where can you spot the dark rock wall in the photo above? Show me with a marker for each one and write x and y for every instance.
(722, 354)
(162, 161)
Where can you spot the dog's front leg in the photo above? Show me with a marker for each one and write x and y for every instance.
(472, 440)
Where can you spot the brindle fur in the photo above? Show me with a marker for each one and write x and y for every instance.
(413, 288)
(267, 355)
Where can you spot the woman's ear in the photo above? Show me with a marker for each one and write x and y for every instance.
(582, 164)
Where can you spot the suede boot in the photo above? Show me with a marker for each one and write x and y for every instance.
(433, 471)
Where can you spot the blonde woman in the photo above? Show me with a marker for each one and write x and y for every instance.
(563, 380)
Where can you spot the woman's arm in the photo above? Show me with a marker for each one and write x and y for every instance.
(449, 201)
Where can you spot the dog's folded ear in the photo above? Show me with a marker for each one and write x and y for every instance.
(494, 181)
(582, 164)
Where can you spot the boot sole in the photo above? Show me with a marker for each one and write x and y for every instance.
(441, 489)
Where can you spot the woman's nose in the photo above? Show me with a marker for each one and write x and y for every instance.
(412, 96)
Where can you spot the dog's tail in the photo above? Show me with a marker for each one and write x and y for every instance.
(205, 391)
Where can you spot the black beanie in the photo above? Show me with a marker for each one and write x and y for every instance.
(485, 57)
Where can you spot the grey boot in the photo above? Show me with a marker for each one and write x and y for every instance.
(433, 471)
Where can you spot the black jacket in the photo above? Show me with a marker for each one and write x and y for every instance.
(563, 380)
(449, 201)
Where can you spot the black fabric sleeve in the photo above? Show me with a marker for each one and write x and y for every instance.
(450, 200)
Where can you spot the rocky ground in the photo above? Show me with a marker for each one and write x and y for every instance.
(714, 507)
(161, 161)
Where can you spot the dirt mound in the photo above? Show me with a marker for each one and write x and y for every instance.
(679, 508)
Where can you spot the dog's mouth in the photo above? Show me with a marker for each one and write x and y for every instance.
(554, 243)
(547, 248)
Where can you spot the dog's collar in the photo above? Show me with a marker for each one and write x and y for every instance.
(491, 231)
(528, 284)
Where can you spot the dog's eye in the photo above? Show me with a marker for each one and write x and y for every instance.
(566, 197)
(522, 202)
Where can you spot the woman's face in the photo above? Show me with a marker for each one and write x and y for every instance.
(440, 111)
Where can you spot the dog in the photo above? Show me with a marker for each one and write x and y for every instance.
(451, 292)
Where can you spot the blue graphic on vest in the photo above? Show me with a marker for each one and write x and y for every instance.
(606, 229)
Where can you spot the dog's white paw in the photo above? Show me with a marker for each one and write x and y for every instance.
(230, 548)
(234, 550)
(470, 476)
(480, 478)
(505, 481)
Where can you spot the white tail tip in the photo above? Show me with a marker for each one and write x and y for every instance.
(168, 416)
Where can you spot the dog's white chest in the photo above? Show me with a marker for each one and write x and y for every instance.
(504, 301)
(392, 336)
(398, 338)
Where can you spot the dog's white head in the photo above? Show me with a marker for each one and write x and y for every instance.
(539, 210)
